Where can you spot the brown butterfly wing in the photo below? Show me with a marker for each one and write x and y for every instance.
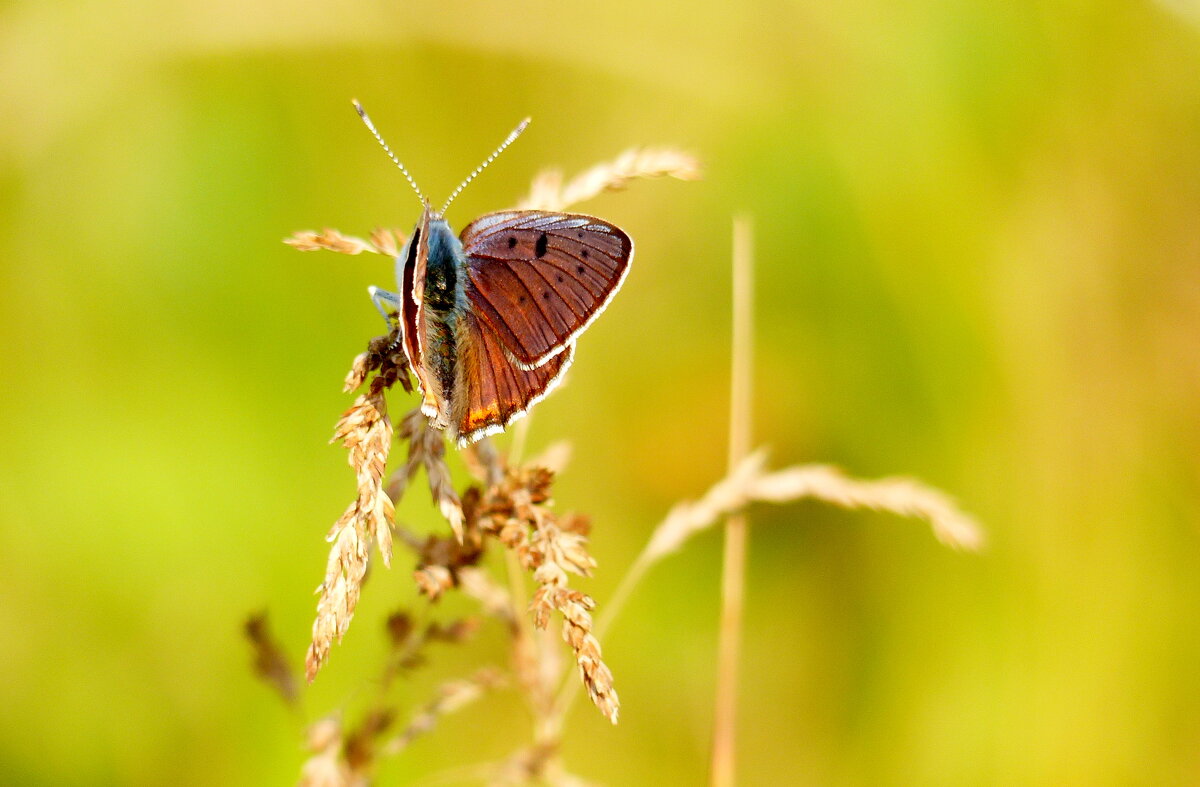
(538, 279)
(412, 310)
(493, 391)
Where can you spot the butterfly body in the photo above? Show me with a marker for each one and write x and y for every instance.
(440, 300)
(490, 319)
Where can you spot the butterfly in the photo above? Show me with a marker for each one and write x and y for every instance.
(489, 319)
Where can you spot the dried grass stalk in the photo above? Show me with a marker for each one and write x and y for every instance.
(433, 581)
(387, 242)
(427, 448)
(512, 510)
(330, 240)
(688, 518)
(440, 562)
(326, 768)
(903, 496)
(553, 552)
(367, 434)
(749, 482)
(492, 597)
(549, 193)
(385, 357)
(270, 664)
(360, 369)
(554, 457)
(737, 536)
(382, 241)
(361, 745)
(536, 764)
(552, 548)
(575, 608)
(450, 698)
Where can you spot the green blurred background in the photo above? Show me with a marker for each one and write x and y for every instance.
(978, 232)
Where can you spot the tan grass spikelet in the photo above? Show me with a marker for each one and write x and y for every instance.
(329, 240)
(383, 355)
(901, 496)
(493, 599)
(367, 434)
(515, 512)
(270, 663)
(360, 369)
(432, 581)
(750, 482)
(381, 241)
(387, 242)
(553, 552)
(575, 608)
(442, 560)
(554, 457)
(549, 193)
(427, 448)
(537, 764)
(325, 767)
(509, 506)
(450, 697)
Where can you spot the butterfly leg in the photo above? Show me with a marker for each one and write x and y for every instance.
(388, 303)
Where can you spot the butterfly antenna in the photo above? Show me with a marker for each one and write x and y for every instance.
(516, 132)
(362, 113)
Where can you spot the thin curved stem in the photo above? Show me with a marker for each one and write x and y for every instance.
(733, 575)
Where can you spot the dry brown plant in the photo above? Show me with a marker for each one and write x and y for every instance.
(367, 434)
(442, 560)
(344, 759)
(341, 758)
(509, 507)
(427, 448)
(550, 193)
(270, 663)
(326, 765)
(750, 482)
(516, 513)
(381, 241)
(451, 697)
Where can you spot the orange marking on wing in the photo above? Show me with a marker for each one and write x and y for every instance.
(483, 416)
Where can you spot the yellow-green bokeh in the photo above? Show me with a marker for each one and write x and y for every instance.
(978, 234)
